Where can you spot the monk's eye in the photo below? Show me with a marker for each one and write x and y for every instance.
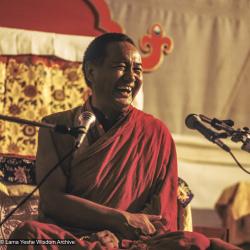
(120, 67)
(138, 70)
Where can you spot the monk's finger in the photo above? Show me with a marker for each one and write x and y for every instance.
(143, 226)
(153, 217)
(148, 229)
(152, 229)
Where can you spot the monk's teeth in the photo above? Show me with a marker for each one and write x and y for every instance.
(125, 89)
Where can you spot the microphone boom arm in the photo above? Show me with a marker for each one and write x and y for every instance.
(24, 121)
(75, 131)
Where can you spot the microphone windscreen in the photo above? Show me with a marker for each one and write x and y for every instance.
(191, 121)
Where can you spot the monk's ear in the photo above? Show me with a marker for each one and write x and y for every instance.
(89, 71)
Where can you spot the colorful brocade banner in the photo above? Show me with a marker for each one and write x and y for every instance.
(32, 87)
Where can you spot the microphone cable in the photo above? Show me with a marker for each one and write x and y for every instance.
(238, 163)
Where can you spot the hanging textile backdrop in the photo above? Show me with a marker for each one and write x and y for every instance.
(32, 87)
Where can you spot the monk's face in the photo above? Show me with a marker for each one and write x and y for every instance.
(117, 79)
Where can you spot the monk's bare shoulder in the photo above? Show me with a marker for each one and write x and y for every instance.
(64, 117)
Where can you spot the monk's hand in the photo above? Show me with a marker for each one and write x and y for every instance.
(108, 239)
(137, 224)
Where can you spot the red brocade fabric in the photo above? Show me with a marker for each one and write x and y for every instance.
(53, 237)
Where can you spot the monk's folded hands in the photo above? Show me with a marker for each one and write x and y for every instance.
(134, 224)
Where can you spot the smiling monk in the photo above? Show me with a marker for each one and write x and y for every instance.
(119, 189)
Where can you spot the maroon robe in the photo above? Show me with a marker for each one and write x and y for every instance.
(131, 167)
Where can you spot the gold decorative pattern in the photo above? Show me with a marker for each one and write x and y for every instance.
(32, 87)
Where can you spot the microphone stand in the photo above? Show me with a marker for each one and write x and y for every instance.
(237, 135)
(75, 131)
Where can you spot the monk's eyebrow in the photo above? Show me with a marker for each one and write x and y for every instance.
(120, 61)
(135, 64)
(117, 62)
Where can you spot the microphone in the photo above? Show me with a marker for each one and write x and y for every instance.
(86, 120)
(193, 121)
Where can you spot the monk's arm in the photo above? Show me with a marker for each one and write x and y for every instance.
(163, 199)
(62, 207)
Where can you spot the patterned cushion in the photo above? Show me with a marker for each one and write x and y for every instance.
(184, 193)
(15, 172)
(10, 196)
(17, 169)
